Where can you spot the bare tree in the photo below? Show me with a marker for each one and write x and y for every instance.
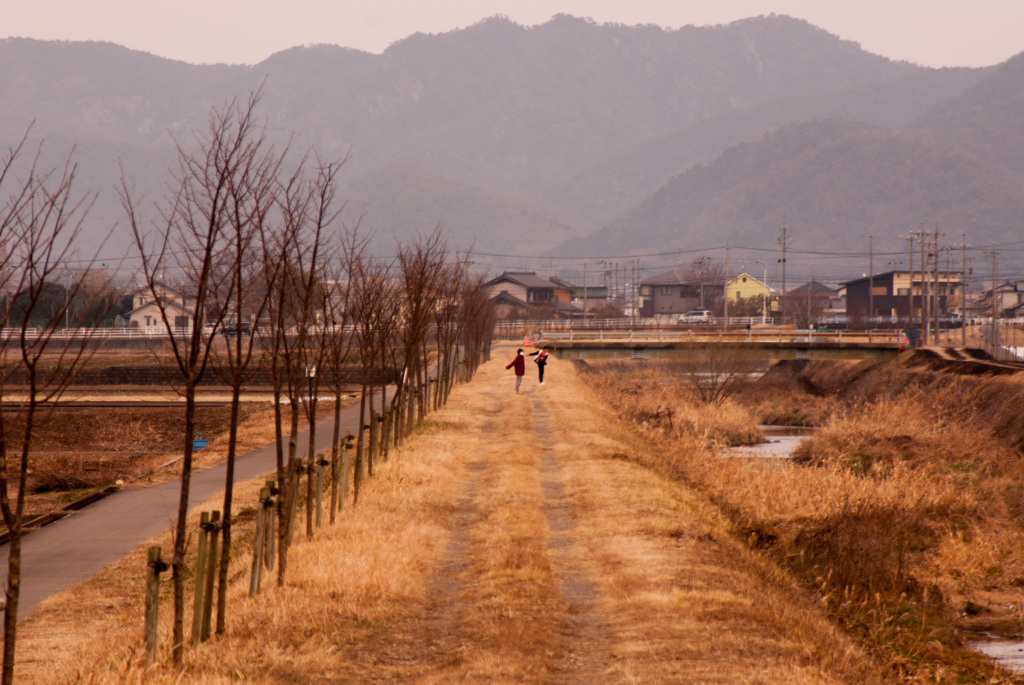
(478, 315)
(337, 317)
(39, 223)
(372, 293)
(297, 295)
(708, 278)
(323, 213)
(804, 309)
(422, 268)
(193, 241)
(238, 293)
(716, 371)
(448, 313)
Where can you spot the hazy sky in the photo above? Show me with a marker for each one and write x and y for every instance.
(929, 32)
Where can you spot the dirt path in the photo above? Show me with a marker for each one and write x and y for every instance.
(566, 563)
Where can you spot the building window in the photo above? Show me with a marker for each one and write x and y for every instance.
(666, 290)
(903, 291)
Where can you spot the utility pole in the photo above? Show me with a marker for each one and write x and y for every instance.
(949, 296)
(616, 294)
(725, 287)
(767, 293)
(783, 241)
(963, 290)
(636, 288)
(809, 301)
(936, 309)
(910, 289)
(925, 318)
(995, 302)
(584, 292)
(871, 279)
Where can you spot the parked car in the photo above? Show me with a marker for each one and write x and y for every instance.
(243, 328)
(696, 316)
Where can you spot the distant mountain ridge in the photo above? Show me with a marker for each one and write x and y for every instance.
(833, 182)
(522, 139)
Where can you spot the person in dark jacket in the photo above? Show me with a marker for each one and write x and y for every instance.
(519, 363)
(541, 361)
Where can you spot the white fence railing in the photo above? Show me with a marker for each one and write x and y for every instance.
(893, 337)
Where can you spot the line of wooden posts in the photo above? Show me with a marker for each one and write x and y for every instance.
(384, 430)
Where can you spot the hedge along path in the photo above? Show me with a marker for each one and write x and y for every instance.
(511, 538)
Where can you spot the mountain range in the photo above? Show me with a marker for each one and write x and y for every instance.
(570, 138)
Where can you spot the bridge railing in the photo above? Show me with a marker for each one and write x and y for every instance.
(727, 335)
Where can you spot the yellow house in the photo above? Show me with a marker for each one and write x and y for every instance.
(744, 286)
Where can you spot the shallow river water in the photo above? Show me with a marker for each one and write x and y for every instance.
(782, 440)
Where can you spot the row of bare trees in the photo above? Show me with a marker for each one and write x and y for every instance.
(255, 241)
(277, 287)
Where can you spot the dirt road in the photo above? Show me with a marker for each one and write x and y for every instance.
(567, 563)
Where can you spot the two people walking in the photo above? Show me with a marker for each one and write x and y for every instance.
(519, 364)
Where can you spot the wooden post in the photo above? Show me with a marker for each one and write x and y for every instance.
(256, 572)
(155, 566)
(212, 533)
(270, 548)
(374, 432)
(293, 499)
(197, 604)
(320, 464)
(346, 467)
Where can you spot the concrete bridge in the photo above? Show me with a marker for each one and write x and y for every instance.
(771, 344)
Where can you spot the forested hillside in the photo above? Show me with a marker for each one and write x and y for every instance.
(833, 183)
(522, 138)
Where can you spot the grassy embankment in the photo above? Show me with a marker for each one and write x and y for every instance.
(512, 538)
(903, 513)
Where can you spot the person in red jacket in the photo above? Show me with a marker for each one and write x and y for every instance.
(519, 363)
(541, 360)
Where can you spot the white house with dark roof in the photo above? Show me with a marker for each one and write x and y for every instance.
(145, 313)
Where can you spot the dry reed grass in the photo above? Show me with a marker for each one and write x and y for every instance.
(888, 527)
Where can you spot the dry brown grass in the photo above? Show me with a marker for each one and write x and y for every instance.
(513, 538)
(909, 515)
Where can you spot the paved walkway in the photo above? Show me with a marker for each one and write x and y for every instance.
(80, 545)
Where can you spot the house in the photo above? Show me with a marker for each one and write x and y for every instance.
(517, 293)
(747, 288)
(590, 297)
(145, 313)
(563, 289)
(674, 292)
(525, 286)
(1008, 296)
(899, 293)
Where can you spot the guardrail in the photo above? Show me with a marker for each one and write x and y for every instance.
(733, 336)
